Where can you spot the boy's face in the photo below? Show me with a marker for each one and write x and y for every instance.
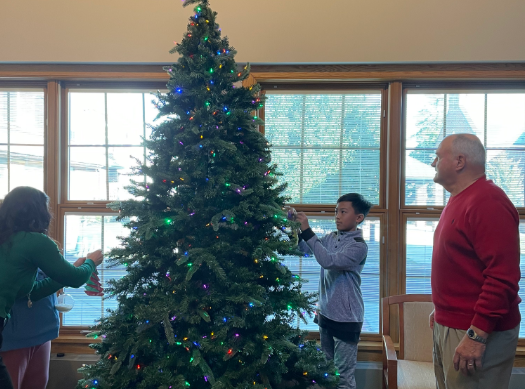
(345, 217)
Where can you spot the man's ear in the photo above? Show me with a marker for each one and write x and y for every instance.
(461, 162)
(360, 218)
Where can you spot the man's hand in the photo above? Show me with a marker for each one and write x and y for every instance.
(79, 262)
(303, 219)
(431, 320)
(469, 354)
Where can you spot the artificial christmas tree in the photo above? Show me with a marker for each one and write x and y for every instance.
(206, 301)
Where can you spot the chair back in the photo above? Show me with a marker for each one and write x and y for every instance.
(415, 335)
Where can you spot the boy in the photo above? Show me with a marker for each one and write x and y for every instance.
(342, 255)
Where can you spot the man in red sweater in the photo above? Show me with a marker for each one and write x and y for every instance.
(475, 272)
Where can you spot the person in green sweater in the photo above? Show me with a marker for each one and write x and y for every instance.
(24, 248)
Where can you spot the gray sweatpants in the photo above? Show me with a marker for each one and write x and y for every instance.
(344, 355)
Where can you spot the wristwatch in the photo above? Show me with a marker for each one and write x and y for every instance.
(475, 337)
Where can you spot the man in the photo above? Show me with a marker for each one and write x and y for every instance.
(475, 272)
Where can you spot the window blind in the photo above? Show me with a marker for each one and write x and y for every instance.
(325, 145)
(21, 139)
(105, 137)
(85, 233)
(496, 118)
(308, 269)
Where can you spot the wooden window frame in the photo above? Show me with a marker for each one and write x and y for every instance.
(57, 77)
(322, 210)
(434, 211)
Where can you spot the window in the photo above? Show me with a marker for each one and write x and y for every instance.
(326, 145)
(496, 118)
(308, 269)
(419, 243)
(21, 139)
(85, 233)
(105, 136)
(104, 144)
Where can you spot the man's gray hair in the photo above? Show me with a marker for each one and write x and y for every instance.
(470, 146)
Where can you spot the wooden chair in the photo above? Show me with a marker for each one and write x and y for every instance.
(413, 368)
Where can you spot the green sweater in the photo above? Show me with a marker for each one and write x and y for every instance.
(22, 255)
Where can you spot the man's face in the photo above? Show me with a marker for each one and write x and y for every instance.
(345, 217)
(444, 163)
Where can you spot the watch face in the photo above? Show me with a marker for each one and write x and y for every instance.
(470, 333)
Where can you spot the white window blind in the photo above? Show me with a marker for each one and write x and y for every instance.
(85, 233)
(21, 139)
(496, 118)
(105, 132)
(420, 233)
(325, 145)
(419, 243)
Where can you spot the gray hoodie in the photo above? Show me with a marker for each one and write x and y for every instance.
(342, 256)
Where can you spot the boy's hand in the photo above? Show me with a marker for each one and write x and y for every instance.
(303, 219)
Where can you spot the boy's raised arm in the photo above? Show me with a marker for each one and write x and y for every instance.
(350, 258)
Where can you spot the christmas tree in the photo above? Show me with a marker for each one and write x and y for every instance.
(206, 301)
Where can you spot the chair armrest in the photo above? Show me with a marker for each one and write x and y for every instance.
(389, 349)
(389, 363)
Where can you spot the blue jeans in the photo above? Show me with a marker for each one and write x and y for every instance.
(344, 355)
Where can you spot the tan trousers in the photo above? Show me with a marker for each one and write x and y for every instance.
(497, 360)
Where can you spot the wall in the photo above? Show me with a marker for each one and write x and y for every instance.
(267, 31)
(63, 372)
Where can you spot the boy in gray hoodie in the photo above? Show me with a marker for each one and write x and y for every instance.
(342, 255)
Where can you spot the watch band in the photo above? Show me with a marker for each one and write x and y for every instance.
(475, 337)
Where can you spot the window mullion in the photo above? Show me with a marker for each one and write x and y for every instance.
(8, 142)
(303, 113)
(103, 265)
(107, 143)
(485, 122)
(341, 142)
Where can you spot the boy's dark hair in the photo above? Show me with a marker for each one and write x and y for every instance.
(359, 203)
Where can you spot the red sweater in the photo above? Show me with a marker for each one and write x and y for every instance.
(476, 260)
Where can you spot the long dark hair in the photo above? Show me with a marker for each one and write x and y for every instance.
(24, 209)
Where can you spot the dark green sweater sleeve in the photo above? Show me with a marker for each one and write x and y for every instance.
(44, 288)
(44, 254)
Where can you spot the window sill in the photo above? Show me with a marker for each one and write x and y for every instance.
(73, 342)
